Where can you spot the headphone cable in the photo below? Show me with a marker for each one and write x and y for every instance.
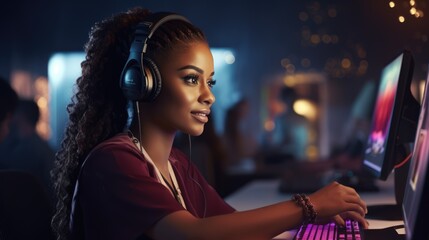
(189, 164)
(140, 126)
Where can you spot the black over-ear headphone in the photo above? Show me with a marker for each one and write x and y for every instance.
(140, 77)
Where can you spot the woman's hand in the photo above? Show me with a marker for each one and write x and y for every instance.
(338, 202)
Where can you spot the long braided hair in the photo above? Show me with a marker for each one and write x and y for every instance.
(98, 109)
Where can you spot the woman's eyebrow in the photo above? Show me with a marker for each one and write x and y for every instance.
(199, 70)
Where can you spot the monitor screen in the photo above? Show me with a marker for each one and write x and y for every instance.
(395, 117)
(415, 207)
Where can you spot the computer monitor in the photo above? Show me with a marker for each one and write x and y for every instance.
(393, 129)
(415, 206)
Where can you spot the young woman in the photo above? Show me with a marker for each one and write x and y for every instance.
(117, 175)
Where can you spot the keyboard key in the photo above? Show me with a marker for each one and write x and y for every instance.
(329, 231)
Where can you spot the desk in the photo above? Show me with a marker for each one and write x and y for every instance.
(260, 193)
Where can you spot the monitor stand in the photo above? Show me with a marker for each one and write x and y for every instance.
(392, 211)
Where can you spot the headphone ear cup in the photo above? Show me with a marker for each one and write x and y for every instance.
(131, 82)
(140, 78)
(153, 79)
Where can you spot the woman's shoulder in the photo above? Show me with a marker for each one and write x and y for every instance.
(118, 141)
(117, 151)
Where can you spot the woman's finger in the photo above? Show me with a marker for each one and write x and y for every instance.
(357, 217)
(356, 204)
(339, 220)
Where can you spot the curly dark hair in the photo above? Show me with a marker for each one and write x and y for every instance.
(98, 109)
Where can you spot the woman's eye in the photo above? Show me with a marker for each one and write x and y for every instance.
(192, 79)
(211, 83)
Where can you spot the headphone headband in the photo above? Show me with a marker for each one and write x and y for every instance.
(146, 28)
(155, 20)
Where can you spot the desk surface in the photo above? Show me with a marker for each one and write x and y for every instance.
(260, 193)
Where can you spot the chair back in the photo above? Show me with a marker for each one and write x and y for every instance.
(25, 207)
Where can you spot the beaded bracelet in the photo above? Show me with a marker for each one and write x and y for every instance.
(303, 201)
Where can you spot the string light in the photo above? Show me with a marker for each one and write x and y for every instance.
(413, 10)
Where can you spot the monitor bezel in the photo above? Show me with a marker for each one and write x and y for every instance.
(403, 96)
(416, 195)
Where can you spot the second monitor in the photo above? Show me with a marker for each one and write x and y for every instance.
(393, 130)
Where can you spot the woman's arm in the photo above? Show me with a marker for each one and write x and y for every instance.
(263, 223)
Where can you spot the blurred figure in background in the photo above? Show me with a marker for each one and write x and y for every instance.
(290, 138)
(26, 207)
(8, 101)
(240, 144)
(23, 148)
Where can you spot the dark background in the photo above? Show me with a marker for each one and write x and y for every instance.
(261, 32)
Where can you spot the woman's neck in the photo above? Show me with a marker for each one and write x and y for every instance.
(157, 144)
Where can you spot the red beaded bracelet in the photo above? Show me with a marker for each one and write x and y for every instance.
(303, 201)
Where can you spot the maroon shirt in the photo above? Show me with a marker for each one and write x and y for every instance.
(120, 197)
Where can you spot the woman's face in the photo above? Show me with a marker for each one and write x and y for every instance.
(185, 98)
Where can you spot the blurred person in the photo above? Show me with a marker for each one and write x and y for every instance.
(290, 138)
(24, 149)
(26, 206)
(241, 145)
(117, 174)
(344, 164)
(8, 101)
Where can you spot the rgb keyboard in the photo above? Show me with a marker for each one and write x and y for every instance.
(330, 231)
